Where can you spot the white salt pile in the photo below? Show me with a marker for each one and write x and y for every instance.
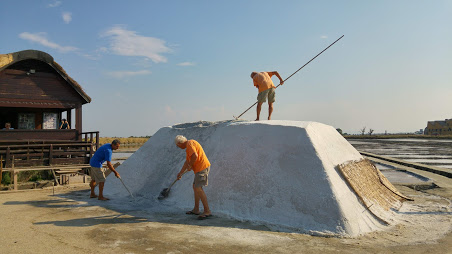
(278, 173)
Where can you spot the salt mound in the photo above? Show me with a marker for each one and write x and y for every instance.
(283, 174)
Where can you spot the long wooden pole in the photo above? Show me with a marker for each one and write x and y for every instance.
(293, 73)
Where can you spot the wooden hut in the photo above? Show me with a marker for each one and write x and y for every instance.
(35, 91)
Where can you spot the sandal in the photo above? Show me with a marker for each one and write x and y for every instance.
(191, 212)
(204, 216)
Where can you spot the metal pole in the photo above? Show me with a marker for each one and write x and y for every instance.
(294, 73)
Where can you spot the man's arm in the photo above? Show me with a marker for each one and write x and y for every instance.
(113, 169)
(188, 165)
(185, 167)
(271, 73)
(255, 84)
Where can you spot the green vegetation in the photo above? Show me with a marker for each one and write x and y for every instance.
(6, 178)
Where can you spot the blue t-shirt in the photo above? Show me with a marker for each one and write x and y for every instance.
(102, 154)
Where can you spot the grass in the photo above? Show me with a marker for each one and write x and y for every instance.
(131, 141)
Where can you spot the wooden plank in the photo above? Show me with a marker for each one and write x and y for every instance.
(39, 168)
(37, 135)
(70, 160)
(67, 171)
(29, 163)
(28, 155)
(75, 144)
(73, 153)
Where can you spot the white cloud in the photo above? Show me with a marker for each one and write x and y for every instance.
(324, 37)
(102, 49)
(123, 74)
(41, 39)
(67, 17)
(55, 4)
(129, 43)
(186, 64)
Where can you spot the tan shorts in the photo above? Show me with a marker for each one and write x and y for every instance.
(99, 174)
(269, 93)
(201, 178)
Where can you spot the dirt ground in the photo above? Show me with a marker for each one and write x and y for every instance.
(66, 220)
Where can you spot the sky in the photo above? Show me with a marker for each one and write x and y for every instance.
(151, 64)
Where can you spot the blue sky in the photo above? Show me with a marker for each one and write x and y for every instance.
(150, 64)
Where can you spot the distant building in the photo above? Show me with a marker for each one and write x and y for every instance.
(439, 127)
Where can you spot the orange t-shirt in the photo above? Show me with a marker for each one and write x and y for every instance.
(263, 81)
(202, 162)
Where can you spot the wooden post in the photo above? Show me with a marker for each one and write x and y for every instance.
(15, 179)
(91, 137)
(90, 151)
(14, 175)
(69, 118)
(78, 120)
(97, 140)
(1, 168)
(50, 154)
(8, 157)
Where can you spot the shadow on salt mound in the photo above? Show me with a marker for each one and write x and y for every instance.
(282, 174)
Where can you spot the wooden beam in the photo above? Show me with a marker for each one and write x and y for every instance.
(78, 120)
(1, 167)
(69, 118)
(14, 175)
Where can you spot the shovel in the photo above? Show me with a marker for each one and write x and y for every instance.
(165, 192)
(126, 187)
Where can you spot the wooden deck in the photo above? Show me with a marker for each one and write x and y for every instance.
(61, 157)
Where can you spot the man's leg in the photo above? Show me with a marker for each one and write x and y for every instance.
(258, 109)
(101, 191)
(92, 184)
(202, 195)
(197, 198)
(270, 110)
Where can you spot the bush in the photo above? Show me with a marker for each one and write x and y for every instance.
(6, 178)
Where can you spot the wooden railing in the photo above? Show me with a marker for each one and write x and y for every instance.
(93, 136)
(6, 135)
(29, 155)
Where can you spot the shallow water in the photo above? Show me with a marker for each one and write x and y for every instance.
(404, 177)
(436, 152)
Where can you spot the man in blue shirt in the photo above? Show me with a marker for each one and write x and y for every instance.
(98, 174)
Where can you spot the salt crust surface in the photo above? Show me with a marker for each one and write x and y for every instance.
(277, 173)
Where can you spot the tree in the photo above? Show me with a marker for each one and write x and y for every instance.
(339, 130)
(363, 130)
(371, 131)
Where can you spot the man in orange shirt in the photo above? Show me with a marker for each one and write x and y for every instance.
(197, 161)
(263, 82)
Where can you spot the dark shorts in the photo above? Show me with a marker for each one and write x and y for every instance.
(201, 178)
(269, 93)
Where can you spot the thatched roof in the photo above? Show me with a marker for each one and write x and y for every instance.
(8, 59)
